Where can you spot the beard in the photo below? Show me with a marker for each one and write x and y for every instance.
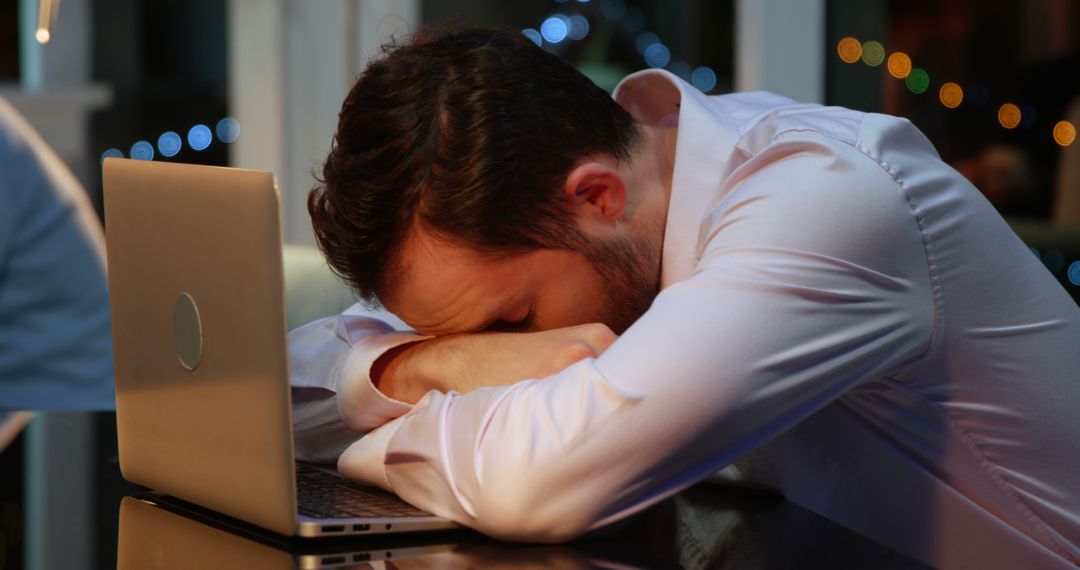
(630, 270)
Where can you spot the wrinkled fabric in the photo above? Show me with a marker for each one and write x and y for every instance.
(843, 318)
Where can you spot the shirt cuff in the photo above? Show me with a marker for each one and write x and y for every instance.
(365, 459)
(361, 405)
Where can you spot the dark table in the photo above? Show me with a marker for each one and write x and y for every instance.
(63, 504)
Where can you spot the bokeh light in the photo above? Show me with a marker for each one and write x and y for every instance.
(199, 137)
(554, 29)
(850, 50)
(873, 53)
(142, 150)
(657, 55)
(704, 78)
(1064, 133)
(1074, 273)
(613, 9)
(1027, 116)
(228, 130)
(633, 20)
(918, 81)
(169, 144)
(682, 69)
(1054, 260)
(1009, 116)
(899, 65)
(951, 95)
(644, 40)
(534, 36)
(112, 153)
(579, 26)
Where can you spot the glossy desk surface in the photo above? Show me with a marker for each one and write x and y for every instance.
(63, 504)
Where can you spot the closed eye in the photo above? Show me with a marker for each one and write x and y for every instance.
(524, 325)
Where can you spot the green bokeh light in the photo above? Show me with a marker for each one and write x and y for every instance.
(918, 81)
(873, 53)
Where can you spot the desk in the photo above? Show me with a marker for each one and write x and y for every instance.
(62, 497)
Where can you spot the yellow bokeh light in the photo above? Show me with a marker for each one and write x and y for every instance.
(1064, 133)
(1009, 115)
(899, 65)
(850, 50)
(951, 95)
(873, 53)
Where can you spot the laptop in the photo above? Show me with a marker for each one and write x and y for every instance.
(203, 407)
(156, 534)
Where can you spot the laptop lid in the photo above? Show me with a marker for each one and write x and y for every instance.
(199, 337)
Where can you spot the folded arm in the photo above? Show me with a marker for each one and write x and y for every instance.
(799, 295)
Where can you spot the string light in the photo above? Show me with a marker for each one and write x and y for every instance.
(899, 65)
(951, 95)
(850, 50)
(873, 53)
(1009, 116)
(918, 81)
(1064, 133)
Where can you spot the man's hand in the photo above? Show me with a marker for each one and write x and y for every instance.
(463, 362)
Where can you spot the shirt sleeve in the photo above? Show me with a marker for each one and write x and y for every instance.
(334, 400)
(812, 279)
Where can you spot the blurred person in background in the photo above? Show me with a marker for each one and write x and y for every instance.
(55, 344)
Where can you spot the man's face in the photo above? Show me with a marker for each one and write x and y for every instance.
(447, 289)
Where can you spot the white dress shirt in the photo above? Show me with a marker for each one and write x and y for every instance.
(843, 318)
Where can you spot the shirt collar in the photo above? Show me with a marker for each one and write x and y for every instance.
(705, 140)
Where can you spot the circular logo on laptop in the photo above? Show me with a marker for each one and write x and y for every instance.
(187, 331)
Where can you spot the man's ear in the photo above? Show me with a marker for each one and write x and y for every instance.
(596, 192)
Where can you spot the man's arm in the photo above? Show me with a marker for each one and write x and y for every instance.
(326, 356)
(812, 279)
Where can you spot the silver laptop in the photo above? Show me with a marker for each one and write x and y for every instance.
(203, 406)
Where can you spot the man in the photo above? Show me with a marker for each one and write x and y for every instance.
(805, 291)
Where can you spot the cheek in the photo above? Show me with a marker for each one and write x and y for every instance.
(571, 298)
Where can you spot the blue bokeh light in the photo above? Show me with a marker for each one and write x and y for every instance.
(169, 144)
(228, 130)
(534, 36)
(579, 27)
(613, 9)
(112, 153)
(199, 137)
(554, 29)
(704, 78)
(1027, 116)
(633, 20)
(657, 55)
(142, 150)
(1035, 251)
(644, 40)
(1054, 260)
(1074, 273)
(682, 69)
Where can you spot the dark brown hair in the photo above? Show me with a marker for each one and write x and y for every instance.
(469, 132)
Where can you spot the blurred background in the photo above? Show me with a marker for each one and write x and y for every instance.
(258, 83)
(994, 84)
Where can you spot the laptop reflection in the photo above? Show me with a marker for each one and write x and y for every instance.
(160, 535)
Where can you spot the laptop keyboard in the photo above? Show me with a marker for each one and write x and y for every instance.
(324, 495)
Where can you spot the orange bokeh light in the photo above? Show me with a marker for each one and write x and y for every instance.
(899, 65)
(850, 50)
(1064, 133)
(951, 95)
(1009, 115)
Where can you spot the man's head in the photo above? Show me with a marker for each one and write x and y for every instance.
(477, 182)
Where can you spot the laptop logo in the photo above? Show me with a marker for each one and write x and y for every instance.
(187, 331)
